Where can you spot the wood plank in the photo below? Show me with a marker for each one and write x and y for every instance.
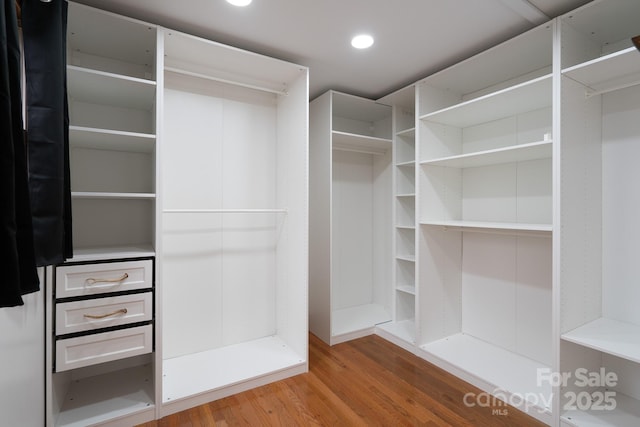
(363, 382)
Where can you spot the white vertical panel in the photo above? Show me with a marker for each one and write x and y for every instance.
(191, 265)
(320, 163)
(382, 229)
(489, 193)
(292, 291)
(192, 283)
(352, 226)
(22, 358)
(533, 298)
(487, 136)
(488, 288)
(440, 193)
(439, 280)
(249, 153)
(405, 211)
(111, 171)
(192, 151)
(581, 216)
(628, 373)
(533, 125)
(534, 199)
(438, 140)
(621, 205)
(405, 179)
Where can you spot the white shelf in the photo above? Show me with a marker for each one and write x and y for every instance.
(110, 89)
(495, 367)
(411, 132)
(93, 400)
(206, 371)
(408, 258)
(111, 252)
(410, 163)
(516, 153)
(406, 227)
(609, 336)
(488, 226)
(353, 319)
(106, 195)
(107, 139)
(407, 289)
(609, 71)
(625, 414)
(406, 195)
(529, 96)
(359, 143)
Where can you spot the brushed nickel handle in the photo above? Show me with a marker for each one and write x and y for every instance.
(102, 316)
(93, 281)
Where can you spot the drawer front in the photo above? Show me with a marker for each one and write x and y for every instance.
(92, 279)
(97, 313)
(88, 350)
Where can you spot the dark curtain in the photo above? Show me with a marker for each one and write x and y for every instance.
(35, 194)
(18, 274)
(44, 27)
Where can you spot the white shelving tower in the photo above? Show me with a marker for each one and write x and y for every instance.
(350, 216)
(485, 219)
(112, 89)
(600, 107)
(401, 330)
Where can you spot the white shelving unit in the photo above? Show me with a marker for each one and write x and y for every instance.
(599, 134)
(402, 328)
(350, 216)
(112, 137)
(484, 207)
(112, 104)
(221, 185)
(233, 221)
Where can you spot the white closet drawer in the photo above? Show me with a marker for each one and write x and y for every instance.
(92, 279)
(97, 313)
(88, 350)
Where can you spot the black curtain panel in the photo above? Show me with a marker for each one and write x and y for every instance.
(44, 27)
(18, 275)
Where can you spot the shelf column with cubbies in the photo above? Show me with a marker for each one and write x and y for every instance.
(402, 328)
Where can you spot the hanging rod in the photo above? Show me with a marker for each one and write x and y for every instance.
(219, 79)
(222, 211)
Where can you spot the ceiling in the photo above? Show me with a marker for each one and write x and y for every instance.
(413, 38)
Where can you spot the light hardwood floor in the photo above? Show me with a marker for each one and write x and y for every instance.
(364, 382)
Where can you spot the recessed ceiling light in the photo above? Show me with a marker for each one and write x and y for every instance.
(362, 41)
(241, 3)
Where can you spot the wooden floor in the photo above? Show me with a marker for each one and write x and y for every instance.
(364, 382)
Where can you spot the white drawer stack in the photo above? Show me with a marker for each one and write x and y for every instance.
(103, 312)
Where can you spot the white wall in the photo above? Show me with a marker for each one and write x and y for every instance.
(22, 362)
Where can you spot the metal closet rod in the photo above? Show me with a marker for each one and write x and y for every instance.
(284, 211)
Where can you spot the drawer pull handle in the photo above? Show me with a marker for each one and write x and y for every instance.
(92, 281)
(102, 316)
